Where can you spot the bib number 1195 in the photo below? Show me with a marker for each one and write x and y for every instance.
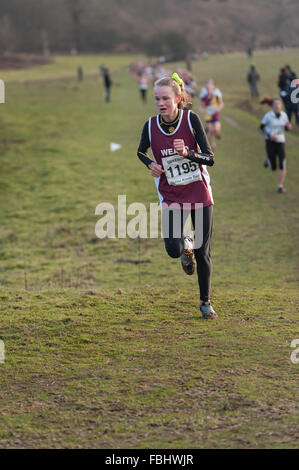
(184, 168)
(180, 171)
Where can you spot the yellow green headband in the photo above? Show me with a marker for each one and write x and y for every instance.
(177, 79)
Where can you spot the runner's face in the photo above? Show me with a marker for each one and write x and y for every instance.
(166, 101)
(210, 87)
(277, 106)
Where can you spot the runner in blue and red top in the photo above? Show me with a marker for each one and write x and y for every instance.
(174, 135)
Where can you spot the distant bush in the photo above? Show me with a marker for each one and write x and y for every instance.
(170, 44)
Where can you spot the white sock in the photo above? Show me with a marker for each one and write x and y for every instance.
(188, 243)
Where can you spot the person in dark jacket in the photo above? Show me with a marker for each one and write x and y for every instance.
(290, 73)
(285, 79)
(292, 105)
(253, 77)
(107, 84)
(286, 85)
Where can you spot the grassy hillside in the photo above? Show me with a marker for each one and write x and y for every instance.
(104, 343)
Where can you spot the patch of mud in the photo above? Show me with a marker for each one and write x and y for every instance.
(22, 61)
(133, 261)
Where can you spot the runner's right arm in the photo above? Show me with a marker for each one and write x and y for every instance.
(156, 169)
(262, 130)
(263, 125)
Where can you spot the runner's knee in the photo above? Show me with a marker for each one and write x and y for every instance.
(174, 247)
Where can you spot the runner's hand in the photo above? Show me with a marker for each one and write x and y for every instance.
(273, 138)
(156, 170)
(179, 146)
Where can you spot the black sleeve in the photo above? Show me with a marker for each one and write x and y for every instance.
(200, 135)
(280, 83)
(143, 146)
(262, 130)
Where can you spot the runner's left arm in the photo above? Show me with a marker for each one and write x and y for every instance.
(143, 146)
(201, 139)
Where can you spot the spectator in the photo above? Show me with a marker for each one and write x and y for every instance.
(107, 84)
(282, 79)
(285, 81)
(291, 105)
(290, 73)
(80, 73)
(249, 52)
(253, 77)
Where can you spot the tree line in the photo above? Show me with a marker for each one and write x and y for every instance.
(166, 27)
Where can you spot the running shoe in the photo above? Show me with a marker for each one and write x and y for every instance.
(282, 190)
(207, 311)
(187, 258)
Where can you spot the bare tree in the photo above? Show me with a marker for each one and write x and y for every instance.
(7, 35)
(76, 10)
(280, 19)
(45, 42)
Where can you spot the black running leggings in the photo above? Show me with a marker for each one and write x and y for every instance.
(273, 149)
(174, 244)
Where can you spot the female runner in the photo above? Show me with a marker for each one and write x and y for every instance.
(212, 104)
(273, 126)
(174, 134)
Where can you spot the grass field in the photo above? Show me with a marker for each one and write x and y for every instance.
(102, 352)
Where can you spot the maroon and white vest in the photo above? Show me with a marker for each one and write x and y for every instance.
(162, 146)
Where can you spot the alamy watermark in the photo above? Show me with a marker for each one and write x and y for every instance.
(2, 92)
(167, 220)
(2, 352)
(295, 353)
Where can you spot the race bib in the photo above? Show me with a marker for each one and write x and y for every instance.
(181, 171)
(211, 110)
(278, 131)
